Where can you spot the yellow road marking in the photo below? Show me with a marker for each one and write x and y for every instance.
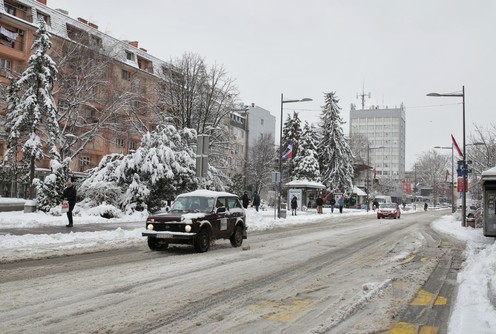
(425, 298)
(407, 328)
(280, 311)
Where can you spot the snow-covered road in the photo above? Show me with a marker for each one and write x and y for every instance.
(328, 276)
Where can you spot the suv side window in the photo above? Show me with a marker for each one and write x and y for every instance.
(221, 202)
(233, 203)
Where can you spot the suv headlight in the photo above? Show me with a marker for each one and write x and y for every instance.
(149, 227)
(187, 228)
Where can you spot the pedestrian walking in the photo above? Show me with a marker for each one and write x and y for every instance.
(245, 199)
(294, 205)
(333, 203)
(320, 203)
(341, 204)
(69, 195)
(256, 201)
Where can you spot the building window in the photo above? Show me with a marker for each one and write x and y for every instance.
(126, 75)
(119, 142)
(262, 122)
(9, 9)
(129, 55)
(5, 64)
(85, 161)
(95, 41)
(42, 17)
(132, 145)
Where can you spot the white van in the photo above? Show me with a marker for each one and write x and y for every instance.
(382, 199)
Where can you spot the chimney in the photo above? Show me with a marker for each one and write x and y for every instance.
(43, 2)
(93, 25)
(134, 43)
(82, 20)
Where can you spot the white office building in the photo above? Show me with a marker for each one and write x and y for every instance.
(386, 133)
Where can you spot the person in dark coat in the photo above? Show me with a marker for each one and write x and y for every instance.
(294, 205)
(341, 203)
(256, 201)
(246, 200)
(69, 195)
(320, 203)
(332, 201)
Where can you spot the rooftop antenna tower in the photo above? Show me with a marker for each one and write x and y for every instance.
(362, 96)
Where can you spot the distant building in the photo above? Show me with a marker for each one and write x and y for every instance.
(385, 130)
(260, 121)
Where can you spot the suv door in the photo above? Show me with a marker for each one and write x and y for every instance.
(223, 218)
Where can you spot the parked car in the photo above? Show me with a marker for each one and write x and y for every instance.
(389, 210)
(197, 218)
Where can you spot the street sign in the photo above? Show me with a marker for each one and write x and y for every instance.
(276, 177)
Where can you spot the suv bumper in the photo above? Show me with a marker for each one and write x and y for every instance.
(168, 235)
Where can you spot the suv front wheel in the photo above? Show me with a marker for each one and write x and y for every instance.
(202, 241)
(237, 237)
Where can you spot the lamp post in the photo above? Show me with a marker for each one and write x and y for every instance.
(283, 101)
(453, 203)
(368, 169)
(464, 171)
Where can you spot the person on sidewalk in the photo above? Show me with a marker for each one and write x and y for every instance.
(246, 200)
(294, 205)
(320, 203)
(256, 201)
(69, 195)
(333, 203)
(341, 203)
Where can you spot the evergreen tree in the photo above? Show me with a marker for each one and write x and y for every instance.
(306, 162)
(50, 190)
(10, 157)
(291, 134)
(335, 155)
(236, 185)
(160, 169)
(36, 113)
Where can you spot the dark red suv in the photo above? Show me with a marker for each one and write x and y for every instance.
(197, 218)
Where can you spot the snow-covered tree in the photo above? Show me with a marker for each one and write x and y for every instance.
(431, 172)
(160, 169)
(10, 157)
(335, 156)
(50, 190)
(36, 114)
(260, 165)
(201, 97)
(306, 161)
(89, 96)
(291, 134)
(237, 185)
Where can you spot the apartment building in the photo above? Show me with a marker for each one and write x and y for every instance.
(385, 130)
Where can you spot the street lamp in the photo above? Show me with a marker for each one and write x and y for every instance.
(464, 172)
(306, 99)
(453, 204)
(368, 169)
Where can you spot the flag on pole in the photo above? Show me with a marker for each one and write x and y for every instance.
(456, 146)
(289, 152)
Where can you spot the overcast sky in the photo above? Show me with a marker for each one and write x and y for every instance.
(397, 50)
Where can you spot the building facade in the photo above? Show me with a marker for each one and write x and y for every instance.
(385, 131)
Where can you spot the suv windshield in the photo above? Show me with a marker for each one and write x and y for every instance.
(193, 204)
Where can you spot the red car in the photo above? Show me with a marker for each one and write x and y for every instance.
(388, 210)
